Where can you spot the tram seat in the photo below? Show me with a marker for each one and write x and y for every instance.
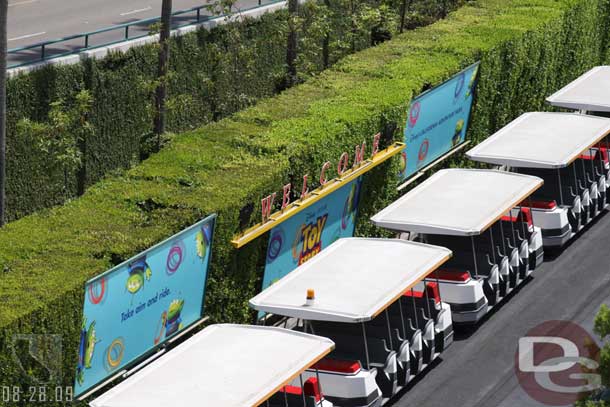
(520, 240)
(293, 395)
(569, 190)
(428, 300)
(581, 186)
(551, 188)
(426, 326)
(407, 329)
(600, 158)
(349, 345)
(590, 174)
(401, 344)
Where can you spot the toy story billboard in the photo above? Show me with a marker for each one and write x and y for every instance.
(437, 121)
(306, 234)
(134, 307)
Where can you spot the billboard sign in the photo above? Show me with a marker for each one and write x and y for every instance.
(437, 121)
(304, 235)
(134, 307)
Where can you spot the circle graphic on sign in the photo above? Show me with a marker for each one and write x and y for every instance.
(414, 114)
(175, 257)
(423, 150)
(115, 353)
(275, 245)
(459, 86)
(556, 363)
(97, 291)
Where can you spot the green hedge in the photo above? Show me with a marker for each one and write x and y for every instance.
(528, 49)
(214, 73)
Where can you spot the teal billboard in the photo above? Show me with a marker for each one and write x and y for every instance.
(437, 121)
(307, 233)
(134, 307)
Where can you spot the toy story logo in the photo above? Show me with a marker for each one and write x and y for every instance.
(310, 231)
(437, 121)
(135, 306)
(311, 239)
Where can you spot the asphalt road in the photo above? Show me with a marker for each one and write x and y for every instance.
(35, 21)
(478, 369)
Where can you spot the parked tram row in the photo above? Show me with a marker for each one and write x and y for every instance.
(363, 318)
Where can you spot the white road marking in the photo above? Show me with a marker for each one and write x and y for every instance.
(19, 3)
(136, 11)
(23, 37)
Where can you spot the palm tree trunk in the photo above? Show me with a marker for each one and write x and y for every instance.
(403, 12)
(326, 42)
(291, 49)
(3, 41)
(161, 92)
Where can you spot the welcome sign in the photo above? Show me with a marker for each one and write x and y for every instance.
(136, 306)
(306, 234)
(437, 121)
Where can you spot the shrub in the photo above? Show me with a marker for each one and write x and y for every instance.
(528, 49)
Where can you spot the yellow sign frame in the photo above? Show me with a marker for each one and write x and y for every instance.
(314, 196)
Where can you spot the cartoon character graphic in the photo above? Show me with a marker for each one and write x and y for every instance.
(457, 136)
(203, 239)
(403, 163)
(349, 208)
(88, 340)
(173, 320)
(472, 83)
(297, 246)
(139, 271)
(459, 85)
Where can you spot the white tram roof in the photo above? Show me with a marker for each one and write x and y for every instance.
(589, 92)
(223, 365)
(354, 279)
(459, 202)
(541, 140)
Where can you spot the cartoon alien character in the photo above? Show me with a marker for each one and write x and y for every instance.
(352, 197)
(88, 340)
(471, 84)
(174, 321)
(139, 271)
(203, 241)
(349, 209)
(403, 163)
(457, 136)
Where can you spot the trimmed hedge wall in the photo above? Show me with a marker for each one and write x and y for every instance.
(528, 49)
(214, 73)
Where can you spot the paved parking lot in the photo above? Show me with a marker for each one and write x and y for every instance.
(478, 369)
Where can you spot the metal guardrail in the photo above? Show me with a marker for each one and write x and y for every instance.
(43, 53)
